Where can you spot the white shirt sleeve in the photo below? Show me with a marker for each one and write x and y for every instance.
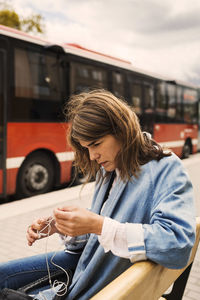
(123, 239)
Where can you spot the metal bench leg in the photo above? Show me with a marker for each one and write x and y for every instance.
(179, 285)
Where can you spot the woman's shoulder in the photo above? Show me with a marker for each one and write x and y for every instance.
(171, 159)
(166, 164)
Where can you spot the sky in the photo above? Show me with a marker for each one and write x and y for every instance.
(159, 36)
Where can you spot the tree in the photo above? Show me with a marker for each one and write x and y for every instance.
(33, 23)
(10, 18)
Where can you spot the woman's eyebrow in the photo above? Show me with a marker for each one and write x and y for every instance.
(90, 144)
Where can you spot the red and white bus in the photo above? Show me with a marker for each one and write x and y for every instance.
(37, 78)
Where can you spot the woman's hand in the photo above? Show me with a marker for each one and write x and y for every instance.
(74, 221)
(40, 228)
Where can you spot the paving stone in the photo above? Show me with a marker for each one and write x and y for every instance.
(193, 295)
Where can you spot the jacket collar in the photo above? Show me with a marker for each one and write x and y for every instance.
(113, 197)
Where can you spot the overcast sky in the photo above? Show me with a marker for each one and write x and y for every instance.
(160, 36)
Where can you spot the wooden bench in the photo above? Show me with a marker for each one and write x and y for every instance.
(146, 280)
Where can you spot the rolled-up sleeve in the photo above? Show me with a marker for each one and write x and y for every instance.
(170, 235)
(123, 239)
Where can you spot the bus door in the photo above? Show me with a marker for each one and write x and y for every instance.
(2, 124)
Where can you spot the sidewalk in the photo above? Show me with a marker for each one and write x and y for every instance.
(16, 216)
(192, 291)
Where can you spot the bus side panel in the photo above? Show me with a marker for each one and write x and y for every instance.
(65, 171)
(24, 138)
(11, 181)
(174, 136)
(65, 176)
(1, 182)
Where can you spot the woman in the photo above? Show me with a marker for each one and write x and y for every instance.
(142, 206)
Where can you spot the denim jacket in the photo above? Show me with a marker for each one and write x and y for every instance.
(161, 200)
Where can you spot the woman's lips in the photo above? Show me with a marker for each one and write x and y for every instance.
(103, 163)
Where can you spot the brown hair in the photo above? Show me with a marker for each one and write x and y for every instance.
(95, 114)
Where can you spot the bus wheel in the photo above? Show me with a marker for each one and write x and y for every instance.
(36, 176)
(186, 150)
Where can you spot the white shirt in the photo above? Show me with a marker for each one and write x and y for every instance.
(114, 236)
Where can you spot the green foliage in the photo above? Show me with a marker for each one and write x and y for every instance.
(33, 23)
(10, 18)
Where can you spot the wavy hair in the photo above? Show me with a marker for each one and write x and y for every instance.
(94, 114)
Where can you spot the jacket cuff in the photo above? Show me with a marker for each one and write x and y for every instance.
(107, 236)
(135, 240)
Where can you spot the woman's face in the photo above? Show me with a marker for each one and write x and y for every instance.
(103, 150)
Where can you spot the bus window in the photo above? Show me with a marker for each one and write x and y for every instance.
(161, 109)
(38, 83)
(97, 75)
(148, 99)
(136, 96)
(171, 96)
(118, 84)
(1, 112)
(37, 76)
(86, 77)
(82, 72)
(190, 107)
(179, 111)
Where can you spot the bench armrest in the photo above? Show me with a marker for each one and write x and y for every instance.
(145, 279)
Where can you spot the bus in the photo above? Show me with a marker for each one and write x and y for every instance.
(36, 79)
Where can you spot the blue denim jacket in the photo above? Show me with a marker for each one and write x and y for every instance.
(161, 199)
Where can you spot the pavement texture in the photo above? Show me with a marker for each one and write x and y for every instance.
(16, 216)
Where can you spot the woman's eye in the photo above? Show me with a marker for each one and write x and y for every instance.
(96, 144)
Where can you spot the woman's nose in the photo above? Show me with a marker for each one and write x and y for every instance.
(93, 154)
